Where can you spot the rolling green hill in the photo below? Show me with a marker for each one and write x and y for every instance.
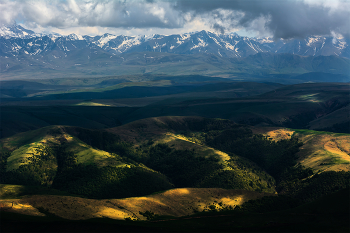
(50, 155)
(193, 164)
(85, 162)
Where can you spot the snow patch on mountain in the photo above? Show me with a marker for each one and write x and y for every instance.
(15, 30)
(75, 37)
(250, 44)
(230, 46)
(201, 43)
(128, 43)
(323, 43)
(105, 39)
(311, 40)
(185, 36)
(341, 45)
(16, 47)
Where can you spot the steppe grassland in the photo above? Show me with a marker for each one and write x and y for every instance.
(175, 202)
(23, 149)
(26, 149)
(325, 152)
(322, 151)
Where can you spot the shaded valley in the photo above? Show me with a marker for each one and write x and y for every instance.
(144, 152)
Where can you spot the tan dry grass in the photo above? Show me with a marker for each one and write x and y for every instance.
(325, 152)
(275, 133)
(15, 205)
(175, 202)
(321, 152)
(186, 201)
(279, 134)
(334, 146)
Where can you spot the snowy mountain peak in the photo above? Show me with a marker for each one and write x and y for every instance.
(225, 45)
(15, 30)
(75, 37)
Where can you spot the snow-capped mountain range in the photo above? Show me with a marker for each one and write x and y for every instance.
(16, 40)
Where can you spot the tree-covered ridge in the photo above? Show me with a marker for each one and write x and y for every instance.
(40, 169)
(181, 168)
(273, 156)
(253, 162)
(66, 174)
(111, 182)
(186, 168)
(298, 186)
(149, 168)
(241, 174)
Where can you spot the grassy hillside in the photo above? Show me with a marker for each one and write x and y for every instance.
(99, 164)
(174, 202)
(213, 164)
(329, 213)
(28, 144)
(321, 151)
(162, 146)
(170, 134)
(53, 156)
(324, 151)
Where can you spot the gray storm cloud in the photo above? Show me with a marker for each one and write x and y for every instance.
(282, 19)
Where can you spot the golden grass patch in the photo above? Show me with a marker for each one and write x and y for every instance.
(175, 202)
(333, 147)
(187, 201)
(321, 151)
(109, 212)
(15, 205)
(325, 152)
(279, 134)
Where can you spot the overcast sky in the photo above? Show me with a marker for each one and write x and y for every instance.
(275, 18)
